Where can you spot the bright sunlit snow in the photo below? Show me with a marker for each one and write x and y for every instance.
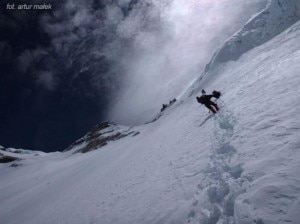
(240, 165)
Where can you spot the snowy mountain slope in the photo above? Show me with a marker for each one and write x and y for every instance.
(239, 166)
(263, 88)
(278, 16)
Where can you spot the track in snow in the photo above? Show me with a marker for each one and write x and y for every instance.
(222, 182)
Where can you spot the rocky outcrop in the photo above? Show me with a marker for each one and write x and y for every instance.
(7, 159)
(5, 155)
(100, 136)
(10, 155)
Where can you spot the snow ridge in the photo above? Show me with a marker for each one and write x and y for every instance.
(277, 17)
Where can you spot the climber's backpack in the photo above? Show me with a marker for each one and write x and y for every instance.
(216, 94)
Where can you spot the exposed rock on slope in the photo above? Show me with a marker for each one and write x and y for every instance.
(7, 159)
(99, 136)
(8, 155)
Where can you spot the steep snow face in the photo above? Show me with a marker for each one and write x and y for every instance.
(261, 89)
(239, 166)
(278, 16)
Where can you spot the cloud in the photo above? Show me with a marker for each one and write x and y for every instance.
(130, 51)
(46, 79)
(31, 59)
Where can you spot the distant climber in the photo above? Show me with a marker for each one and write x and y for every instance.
(206, 100)
(172, 101)
(165, 106)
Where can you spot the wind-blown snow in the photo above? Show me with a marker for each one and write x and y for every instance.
(238, 166)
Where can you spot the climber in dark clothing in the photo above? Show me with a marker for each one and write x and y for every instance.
(206, 100)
